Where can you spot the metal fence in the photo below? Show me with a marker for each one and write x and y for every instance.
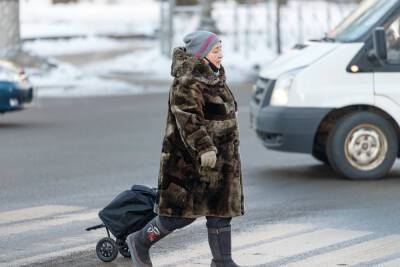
(253, 24)
(300, 20)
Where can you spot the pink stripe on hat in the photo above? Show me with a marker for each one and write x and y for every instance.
(205, 45)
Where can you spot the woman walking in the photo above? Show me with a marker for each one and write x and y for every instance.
(200, 169)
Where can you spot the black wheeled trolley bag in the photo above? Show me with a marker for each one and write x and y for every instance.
(128, 212)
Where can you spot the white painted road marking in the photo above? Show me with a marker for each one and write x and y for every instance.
(35, 213)
(392, 263)
(41, 225)
(258, 246)
(356, 254)
(266, 232)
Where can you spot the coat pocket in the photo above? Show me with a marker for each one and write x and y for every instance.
(212, 176)
(176, 195)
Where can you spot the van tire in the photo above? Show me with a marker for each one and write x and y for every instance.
(362, 146)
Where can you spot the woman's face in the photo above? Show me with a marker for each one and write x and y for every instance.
(215, 55)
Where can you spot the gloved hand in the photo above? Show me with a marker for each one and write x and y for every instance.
(208, 159)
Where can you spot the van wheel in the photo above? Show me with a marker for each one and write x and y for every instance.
(362, 145)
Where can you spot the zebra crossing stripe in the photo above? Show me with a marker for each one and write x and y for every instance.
(44, 224)
(392, 263)
(273, 251)
(200, 253)
(85, 241)
(356, 254)
(35, 213)
(47, 256)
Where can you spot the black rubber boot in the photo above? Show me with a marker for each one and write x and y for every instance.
(219, 240)
(139, 243)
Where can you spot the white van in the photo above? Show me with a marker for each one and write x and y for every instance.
(337, 98)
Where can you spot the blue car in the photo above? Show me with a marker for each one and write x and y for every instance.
(15, 89)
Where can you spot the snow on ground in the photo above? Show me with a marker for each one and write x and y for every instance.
(252, 46)
(158, 67)
(148, 63)
(74, 46)
(41, 19)
(67, 80)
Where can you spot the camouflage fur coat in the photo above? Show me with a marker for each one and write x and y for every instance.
(202, 116)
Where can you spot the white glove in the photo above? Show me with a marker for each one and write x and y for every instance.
(208, 159)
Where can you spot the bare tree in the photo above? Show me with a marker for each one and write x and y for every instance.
(207, 22)
(10, 40)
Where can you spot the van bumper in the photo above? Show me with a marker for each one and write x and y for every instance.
(288, 129)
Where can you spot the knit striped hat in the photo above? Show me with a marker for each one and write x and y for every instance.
(200, 43)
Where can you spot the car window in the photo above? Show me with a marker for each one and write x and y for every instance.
(393, 41)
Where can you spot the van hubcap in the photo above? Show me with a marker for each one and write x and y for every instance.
(366, 147)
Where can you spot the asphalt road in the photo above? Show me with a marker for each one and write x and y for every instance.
(63, 160)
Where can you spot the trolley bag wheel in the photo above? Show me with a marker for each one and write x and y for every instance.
(124, 251)
(123, 248)
(106, 249)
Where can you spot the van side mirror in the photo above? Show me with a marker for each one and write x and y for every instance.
(380, 49)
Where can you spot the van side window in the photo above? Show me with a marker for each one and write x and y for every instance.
(393, 42)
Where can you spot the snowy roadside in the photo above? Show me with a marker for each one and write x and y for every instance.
(139, 72)
(95, 65)
(39, 18)
(114, 67)
(67, 76)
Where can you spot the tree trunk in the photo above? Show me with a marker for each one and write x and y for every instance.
(10, 40)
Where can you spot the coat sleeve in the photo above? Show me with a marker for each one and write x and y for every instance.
(187, 104)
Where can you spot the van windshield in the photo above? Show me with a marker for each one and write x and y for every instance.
(360, 21)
